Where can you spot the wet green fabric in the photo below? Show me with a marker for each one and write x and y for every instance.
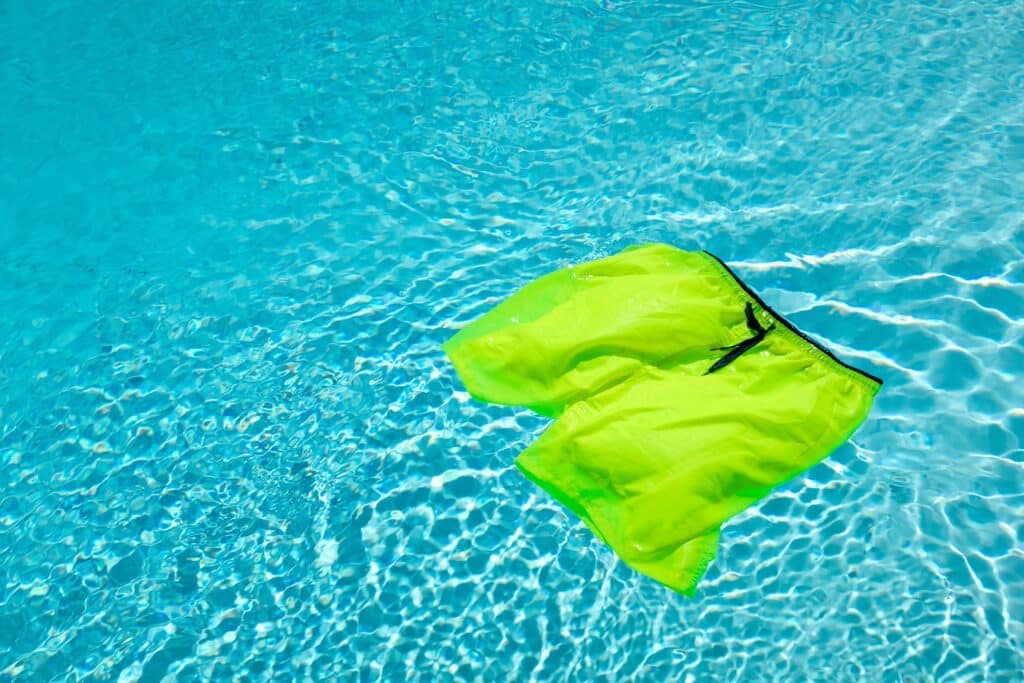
(654, 445)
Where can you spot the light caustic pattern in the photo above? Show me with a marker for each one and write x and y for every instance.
(235, 235)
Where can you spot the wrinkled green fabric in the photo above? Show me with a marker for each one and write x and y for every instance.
(650, 449)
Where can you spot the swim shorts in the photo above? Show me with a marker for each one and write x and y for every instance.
(680, 398)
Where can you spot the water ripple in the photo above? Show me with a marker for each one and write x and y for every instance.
(235, 236)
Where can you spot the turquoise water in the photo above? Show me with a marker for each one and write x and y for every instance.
(234, 235)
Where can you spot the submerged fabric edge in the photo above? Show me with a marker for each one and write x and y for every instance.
(696, 571)
(816, 347)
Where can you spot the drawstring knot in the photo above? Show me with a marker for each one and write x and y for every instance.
(736, 350)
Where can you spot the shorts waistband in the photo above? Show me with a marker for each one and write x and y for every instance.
(814, 348)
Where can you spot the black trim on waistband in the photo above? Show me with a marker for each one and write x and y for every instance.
(788, 324)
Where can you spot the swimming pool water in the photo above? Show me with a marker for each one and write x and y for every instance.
(234, 235)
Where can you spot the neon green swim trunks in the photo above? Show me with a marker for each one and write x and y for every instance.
(681, 399)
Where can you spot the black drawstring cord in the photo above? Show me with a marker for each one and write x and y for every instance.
(737, 350)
